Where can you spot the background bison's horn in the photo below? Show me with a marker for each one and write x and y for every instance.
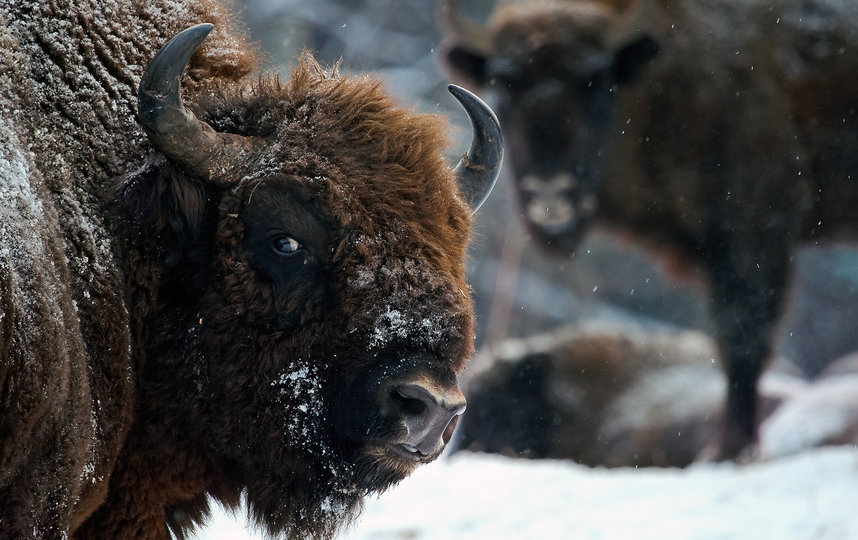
(478, 170)
(174, 130)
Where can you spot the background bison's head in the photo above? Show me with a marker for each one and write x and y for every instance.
(554, 69)
(314, 313)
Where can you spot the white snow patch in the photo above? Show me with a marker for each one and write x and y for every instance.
(363, 278)
(393, 324)
(478, 496)
(299, 391)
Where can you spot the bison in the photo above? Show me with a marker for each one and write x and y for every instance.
(601, 394)
(217, 286)
(720, 133)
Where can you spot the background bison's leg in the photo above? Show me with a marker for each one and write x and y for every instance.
(748, 287)
(757, 207)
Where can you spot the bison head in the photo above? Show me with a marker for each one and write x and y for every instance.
(554, 68)
(313, 313)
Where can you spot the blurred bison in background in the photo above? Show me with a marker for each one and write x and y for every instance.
(721, 133)
(260, 294)
(602, 395)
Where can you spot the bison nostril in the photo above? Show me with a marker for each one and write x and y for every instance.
(413, 399)
(407, 404)
(427, 413)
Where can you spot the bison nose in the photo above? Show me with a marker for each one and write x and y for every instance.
(428, 413)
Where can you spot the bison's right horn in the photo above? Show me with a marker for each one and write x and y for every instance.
(478, 170)
(468, 34)
(174, 130)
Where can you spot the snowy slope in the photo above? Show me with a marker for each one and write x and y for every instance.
(473, 496)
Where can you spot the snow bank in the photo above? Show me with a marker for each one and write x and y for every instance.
(478, 496)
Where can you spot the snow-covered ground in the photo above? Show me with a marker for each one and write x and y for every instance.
(477, 496)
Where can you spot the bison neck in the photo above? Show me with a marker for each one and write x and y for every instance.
(165, 469)
(153, 480)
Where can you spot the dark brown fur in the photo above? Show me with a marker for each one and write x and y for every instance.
(721, 132)
(155, 349)
(67, 379)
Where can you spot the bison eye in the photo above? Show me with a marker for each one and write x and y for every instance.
(285, 245)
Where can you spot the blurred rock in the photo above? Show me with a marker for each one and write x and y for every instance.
(844, 365)
(825, 413)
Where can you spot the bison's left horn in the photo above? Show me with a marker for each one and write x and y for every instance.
(174, 130)
(478, 170)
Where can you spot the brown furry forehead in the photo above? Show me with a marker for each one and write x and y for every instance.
(551, 21)
(367, 158)
(298, 110)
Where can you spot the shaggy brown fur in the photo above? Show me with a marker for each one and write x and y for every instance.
(721, 132)
(383, 281)
(68, 87)
(158, 348)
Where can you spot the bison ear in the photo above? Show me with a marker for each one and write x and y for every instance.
(167, 205)
(465, 65)
(633, 57)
